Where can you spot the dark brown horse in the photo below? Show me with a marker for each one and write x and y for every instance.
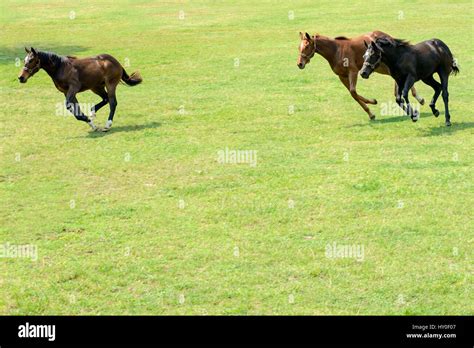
(345, 56)
(101, 74)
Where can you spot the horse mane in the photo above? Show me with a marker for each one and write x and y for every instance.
(341, 38)
(51, 58)
(393, 42)
(401, 42)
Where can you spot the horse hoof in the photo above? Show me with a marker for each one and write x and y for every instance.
(105, 129)
(422, 101)
(372, 117)
(375, 102)
(436, 113)
(448, 123)
(108, 125)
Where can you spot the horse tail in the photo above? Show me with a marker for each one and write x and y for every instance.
(132, 80)
(454, 63)
(455, 67)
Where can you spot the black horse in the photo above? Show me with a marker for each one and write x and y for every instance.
(411, 63)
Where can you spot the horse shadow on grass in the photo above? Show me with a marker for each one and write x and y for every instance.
(431, 131)
(402, 118)
(120, 129)
(443, 130)
(425, 132)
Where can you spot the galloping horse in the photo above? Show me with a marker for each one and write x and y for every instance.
(411, 63)
(101, 74)
(345, 56)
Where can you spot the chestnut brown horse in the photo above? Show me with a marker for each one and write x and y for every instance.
(101, 74)
(346, 57)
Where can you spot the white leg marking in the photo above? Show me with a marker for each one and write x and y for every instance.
(91, 123)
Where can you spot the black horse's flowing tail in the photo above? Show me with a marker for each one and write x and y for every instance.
(445, 49)
(455, 67)
(132, 80)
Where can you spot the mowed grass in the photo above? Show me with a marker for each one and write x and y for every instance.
(145, 220)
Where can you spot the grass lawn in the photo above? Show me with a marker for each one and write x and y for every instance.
(146, 219)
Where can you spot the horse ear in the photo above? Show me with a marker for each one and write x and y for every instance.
(33, 51)
(365, 43)
(27, 50)
(308, 37)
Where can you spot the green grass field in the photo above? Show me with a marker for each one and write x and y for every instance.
(146, 220)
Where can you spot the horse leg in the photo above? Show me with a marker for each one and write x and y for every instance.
(443, 76)
(351, 88)
(111, 87)
(410, 80)
(414, 93)
(398, 95)
(430, 81)
(353, 77)
(361, 100)
(73, 106)
(100, 91)
(367, 101)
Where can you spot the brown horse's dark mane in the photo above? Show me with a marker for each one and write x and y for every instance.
(50, 58)
(341, 38)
